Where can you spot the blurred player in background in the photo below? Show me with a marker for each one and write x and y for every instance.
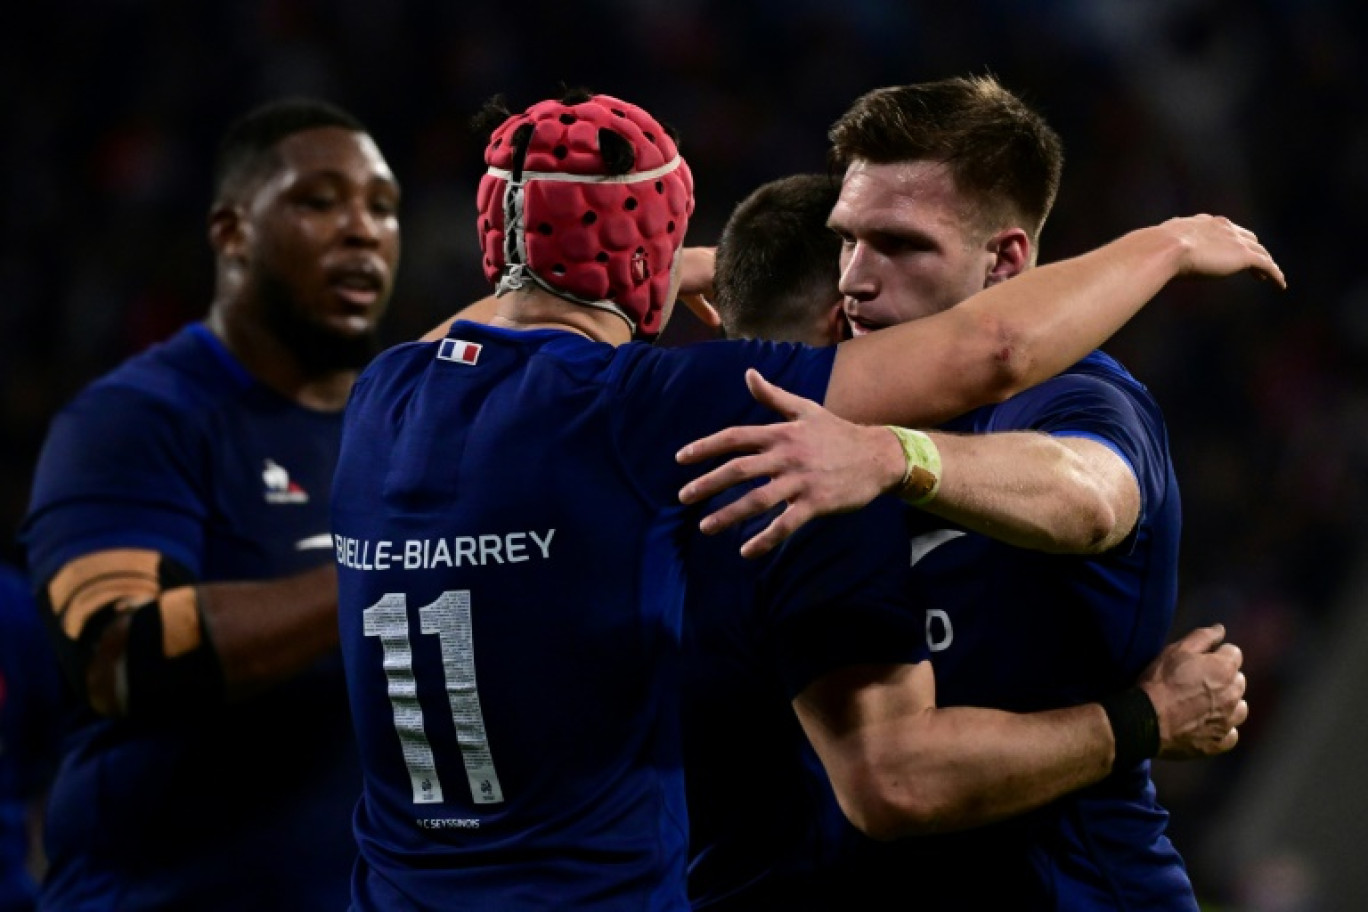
(32, 708)
(508, 535)
(178, 537)
(1046, 552)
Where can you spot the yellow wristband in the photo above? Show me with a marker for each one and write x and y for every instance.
(921, 478)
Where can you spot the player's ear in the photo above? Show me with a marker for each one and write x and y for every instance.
(835, 328)
(1011, 250)
(227, 231)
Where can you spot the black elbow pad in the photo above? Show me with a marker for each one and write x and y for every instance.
(147, 682)
(75, 656)
(157, 685)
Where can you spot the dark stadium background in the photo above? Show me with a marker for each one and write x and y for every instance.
(1253, 110)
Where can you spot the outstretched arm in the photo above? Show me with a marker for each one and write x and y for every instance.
(902, 766)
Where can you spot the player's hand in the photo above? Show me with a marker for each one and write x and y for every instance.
(816, 463)
(696, 268)
(702, 308)
(1198, 692)
(696, 265)
(1215, 246)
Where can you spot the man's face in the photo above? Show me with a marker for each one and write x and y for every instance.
(323, 245)
(908, 246)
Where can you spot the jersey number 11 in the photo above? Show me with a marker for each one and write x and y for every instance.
(449, 619)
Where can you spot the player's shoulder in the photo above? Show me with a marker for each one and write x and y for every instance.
(397, 360)
(474, 354)
(1099, 375)
(716, 367)
(477, 349)
(1097, 388)
(1101, 366)
(1104, 378)
(714, 351)
(190, 373)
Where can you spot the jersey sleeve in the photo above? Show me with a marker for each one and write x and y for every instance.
(117, 470)
(1124, 419)
(837, 593)
(670, 397)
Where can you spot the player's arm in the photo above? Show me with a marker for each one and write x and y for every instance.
(1066, 495)
(1015, 334)
(136, 638)
(1059, 494)
(998, 342)
(901, 766)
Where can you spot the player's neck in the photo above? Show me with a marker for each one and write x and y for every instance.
(538, 309)
(268, 359)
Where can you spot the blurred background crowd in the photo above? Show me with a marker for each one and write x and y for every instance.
(1254, 110)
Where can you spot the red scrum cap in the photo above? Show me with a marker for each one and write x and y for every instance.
(589, 200)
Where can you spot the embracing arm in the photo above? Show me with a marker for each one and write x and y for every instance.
(1017, 333)
(136, 641)
(998, 342)
(1069, 495)
(901, 766)
(1066, 495)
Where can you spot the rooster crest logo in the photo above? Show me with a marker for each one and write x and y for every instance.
(280, 488)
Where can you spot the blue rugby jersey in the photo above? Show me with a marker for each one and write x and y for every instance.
(247, 806)
(1025, 631)
(31, 710)
(765, 828)
(508, 541)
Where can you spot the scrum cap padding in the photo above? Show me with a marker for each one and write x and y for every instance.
(594, 211)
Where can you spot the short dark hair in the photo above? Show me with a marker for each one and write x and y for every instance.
(248, 148)
(1001, 152)
(777, 261)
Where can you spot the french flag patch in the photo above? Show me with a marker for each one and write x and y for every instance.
(459, 350)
